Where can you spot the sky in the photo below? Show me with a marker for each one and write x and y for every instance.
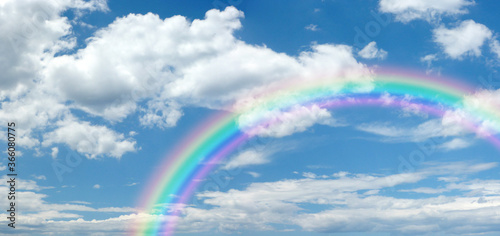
(103, 91)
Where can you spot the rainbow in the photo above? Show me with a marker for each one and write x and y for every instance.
(172, 185)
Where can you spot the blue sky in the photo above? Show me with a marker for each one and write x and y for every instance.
(102, 91)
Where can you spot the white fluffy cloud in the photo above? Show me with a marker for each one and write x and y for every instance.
(371, 51)
(196, 63)
(181, 60)
(26, 41)
(464, 40)
(91, 140)
(408, 10)
(28, 46)
(32, 113)
(168, 64)
(160, 114)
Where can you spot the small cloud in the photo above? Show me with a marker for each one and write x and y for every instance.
(40, 177)
(131, 184)
(312, 27)
(80, 202)
(132, 133)
(340, 174)
(2, 167)
(253, 174)
(97, 186)
(428, 59)
(247, 158)
(449, 179)
(454, 144)
(371, 51)
(309, 175)
(83, 24)
(55, 151)
(372, 192)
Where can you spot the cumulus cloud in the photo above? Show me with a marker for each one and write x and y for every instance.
(183, 62)
(92, 140)
(371, 51)
(159, 114)
(176, 61)
(28, 45)
(169, 64)
(464, 40)
(33, 113)
(408, 10)
(26, 41)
